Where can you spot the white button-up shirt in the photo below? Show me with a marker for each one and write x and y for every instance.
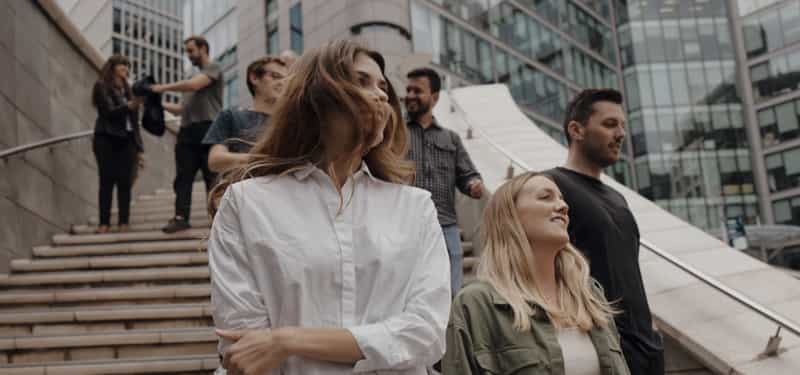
(289, 251)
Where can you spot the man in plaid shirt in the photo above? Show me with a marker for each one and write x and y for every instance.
(442, 162)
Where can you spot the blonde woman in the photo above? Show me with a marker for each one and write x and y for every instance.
(534, 308)
(323, 260)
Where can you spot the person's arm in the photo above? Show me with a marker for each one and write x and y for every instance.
(236, 300)
(174, 108)
(105, 105)
(196, 83)
(412, 338)
(459, 357)
(258, 351)
(468, 180)
(221, 159)
(415, 337)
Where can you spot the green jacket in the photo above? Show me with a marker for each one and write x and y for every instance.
(481, 339)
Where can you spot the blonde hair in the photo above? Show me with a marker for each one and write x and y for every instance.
(507, 263)
(321, 84)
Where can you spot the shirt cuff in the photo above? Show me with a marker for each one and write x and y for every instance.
(377, 346)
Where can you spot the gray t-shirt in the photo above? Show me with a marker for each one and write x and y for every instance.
(237, 129)
(205, 104)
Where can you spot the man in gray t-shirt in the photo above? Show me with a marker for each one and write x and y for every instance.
(202, 101)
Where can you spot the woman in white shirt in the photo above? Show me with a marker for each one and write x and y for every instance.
(322, 260)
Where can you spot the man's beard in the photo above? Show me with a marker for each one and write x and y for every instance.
(195, 61)
(600, 154)
(421, 110)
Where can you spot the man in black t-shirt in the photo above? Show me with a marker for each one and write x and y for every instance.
(601, 224)
(235, 130)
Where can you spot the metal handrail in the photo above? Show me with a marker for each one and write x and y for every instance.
(47, 142)
(708, 280)
(753, 305)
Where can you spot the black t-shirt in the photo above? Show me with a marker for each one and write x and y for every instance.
(603, 228)
(237, 129)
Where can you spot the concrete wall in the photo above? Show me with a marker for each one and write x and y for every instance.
(45, 86)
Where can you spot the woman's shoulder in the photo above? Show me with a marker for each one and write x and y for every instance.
(407, 193)
(477, 292)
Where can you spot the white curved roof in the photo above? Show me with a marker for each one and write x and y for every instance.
(723, 333)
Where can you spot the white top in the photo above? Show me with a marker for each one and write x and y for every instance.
(281, 254)
(580, 356)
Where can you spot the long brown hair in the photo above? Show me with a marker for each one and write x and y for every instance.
(106, 77)
(323, 84)
(507, 263)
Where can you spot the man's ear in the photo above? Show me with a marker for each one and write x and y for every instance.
(435, 98)
(575, 131)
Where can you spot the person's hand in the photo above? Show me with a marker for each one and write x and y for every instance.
(475, 188)
(254, 352)
(158, 89)
(140, 160)
(135, 103)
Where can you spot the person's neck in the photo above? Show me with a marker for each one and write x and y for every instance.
(545, 275)
(263, 105)
(425, 120)
(203, 62)
(119, 83)
(577, 162)
(343, 168)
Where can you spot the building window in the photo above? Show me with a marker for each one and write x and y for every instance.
(273, 42)
(117, 21)
(296, 28)
(783, 170)
(231, 98)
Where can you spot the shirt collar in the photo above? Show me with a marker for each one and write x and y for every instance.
(499, 300)
(434, 123)
(306, 170)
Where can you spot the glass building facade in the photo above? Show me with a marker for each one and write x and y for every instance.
(771, 38)
(149, 33)
(674, 61)
(218, 22)
(545, 51)
(689, 142)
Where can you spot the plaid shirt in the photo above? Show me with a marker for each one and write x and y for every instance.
(442, 165)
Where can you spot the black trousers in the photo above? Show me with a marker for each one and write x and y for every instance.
(191, 156)
(643, 362)
(116, 165)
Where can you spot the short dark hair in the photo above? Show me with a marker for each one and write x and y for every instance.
(430, 74)
(199, 41)
(581, 107)
(257, 68)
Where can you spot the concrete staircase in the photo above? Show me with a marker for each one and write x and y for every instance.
(116, 303)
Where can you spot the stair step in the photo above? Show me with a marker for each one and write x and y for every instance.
(468, 247)
(106, 262)
(197, 194)
(155, 235)
(162, 217)
(140, 337)
(140, 227)
(194, 364)
(470, 263)
(94, 314)
(154, 202)
(98, 295)
(120, 248)
(99, 277)
(159, 207)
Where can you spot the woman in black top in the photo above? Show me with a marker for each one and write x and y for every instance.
(117, 144)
